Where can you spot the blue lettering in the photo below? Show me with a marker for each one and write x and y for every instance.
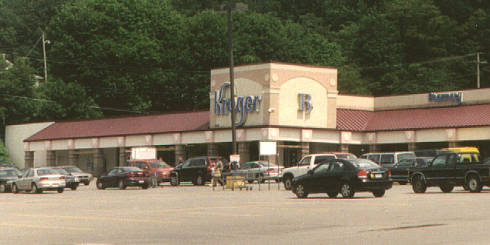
(304, 104)
(243, 105)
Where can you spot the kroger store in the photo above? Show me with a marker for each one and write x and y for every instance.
(296, 106)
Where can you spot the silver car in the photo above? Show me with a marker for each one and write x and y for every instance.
(84, 178)
(37, 180)
(259, 171)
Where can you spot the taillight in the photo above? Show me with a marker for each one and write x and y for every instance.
(130, 174)
(389, 174)
(62, 177)
(43, 178)
(147, 174)
(270, 170)
(362, 174)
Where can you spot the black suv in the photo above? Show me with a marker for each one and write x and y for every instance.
(196, 169)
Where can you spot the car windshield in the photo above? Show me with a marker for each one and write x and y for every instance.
(407, 155)
(46, 171)
(364, 163)
(159, 165)
(266, 164)
(61, 171)
(131, 169)
(71, 169)
(9, 172)
(346, 156)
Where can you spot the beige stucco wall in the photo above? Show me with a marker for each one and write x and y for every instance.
(289, 104)
(279, 86)
(15, 136)
(355, 102)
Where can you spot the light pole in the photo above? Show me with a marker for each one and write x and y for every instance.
(229, 8)
(44, 58)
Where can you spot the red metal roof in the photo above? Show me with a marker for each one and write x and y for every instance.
(175, 122)
(347, 120)
(446, 117)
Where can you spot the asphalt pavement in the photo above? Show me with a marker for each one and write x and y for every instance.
(198, 215)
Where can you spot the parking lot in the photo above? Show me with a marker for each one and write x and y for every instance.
(198, 215)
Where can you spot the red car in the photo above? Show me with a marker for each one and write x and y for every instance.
(158, 170)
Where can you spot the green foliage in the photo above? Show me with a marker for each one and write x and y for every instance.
(116, 56)
(4, 154)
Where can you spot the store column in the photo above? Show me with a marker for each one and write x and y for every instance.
(244, 151)
(122, 157)
(412, 146)
(29, 159)
(72, 158)
(305, 149)
(212, 149)
(50, 158)
(179, 153)
(344, 148)
(98, 161)
(373, 148)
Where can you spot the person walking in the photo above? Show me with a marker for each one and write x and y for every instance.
(218, 170)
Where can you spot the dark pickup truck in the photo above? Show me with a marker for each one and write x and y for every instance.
(452, 169)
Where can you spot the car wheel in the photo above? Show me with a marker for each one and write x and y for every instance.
(250, 181)
(34, 189)
(60, 190)
(418, 185)
(174, 180)
(121, 185)
(199, 180)
(288, 181)
(402, 183)
(474, 184)
(346, 190)
(379, 193)
(74, 187)
(278, 180)
(145, 187)
(86, 182)
(3, 188)
(99, 184)
(300, 191)
(15, 189)
(446, 188)
(333, 194)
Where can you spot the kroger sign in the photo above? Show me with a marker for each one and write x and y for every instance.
(243, 104)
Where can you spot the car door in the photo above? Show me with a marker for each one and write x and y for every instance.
(433, 173)
(21, 183)
(110, 180)
(319, 179)
(335, 174)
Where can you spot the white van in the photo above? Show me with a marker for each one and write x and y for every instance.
(387, 159)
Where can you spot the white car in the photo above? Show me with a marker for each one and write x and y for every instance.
(37, 180)
(306, 163)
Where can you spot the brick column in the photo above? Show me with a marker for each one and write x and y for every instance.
(98, 157)
(50, 158)
(305, 148)
(244, 151)
(344, 148)
(412, 146)
(373, 148)
(122, 156)
(72, 158)
(212, 149)
(179, 153)
(28, 159)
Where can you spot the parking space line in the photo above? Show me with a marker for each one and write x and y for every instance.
(47, 227)
(225, 214)
(95, 218)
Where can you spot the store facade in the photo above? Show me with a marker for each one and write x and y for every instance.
(296, 106)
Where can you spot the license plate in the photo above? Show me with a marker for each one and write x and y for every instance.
(141, 181)
(378, 176)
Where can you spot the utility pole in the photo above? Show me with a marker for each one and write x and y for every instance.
(477, 69)
(45, 64)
